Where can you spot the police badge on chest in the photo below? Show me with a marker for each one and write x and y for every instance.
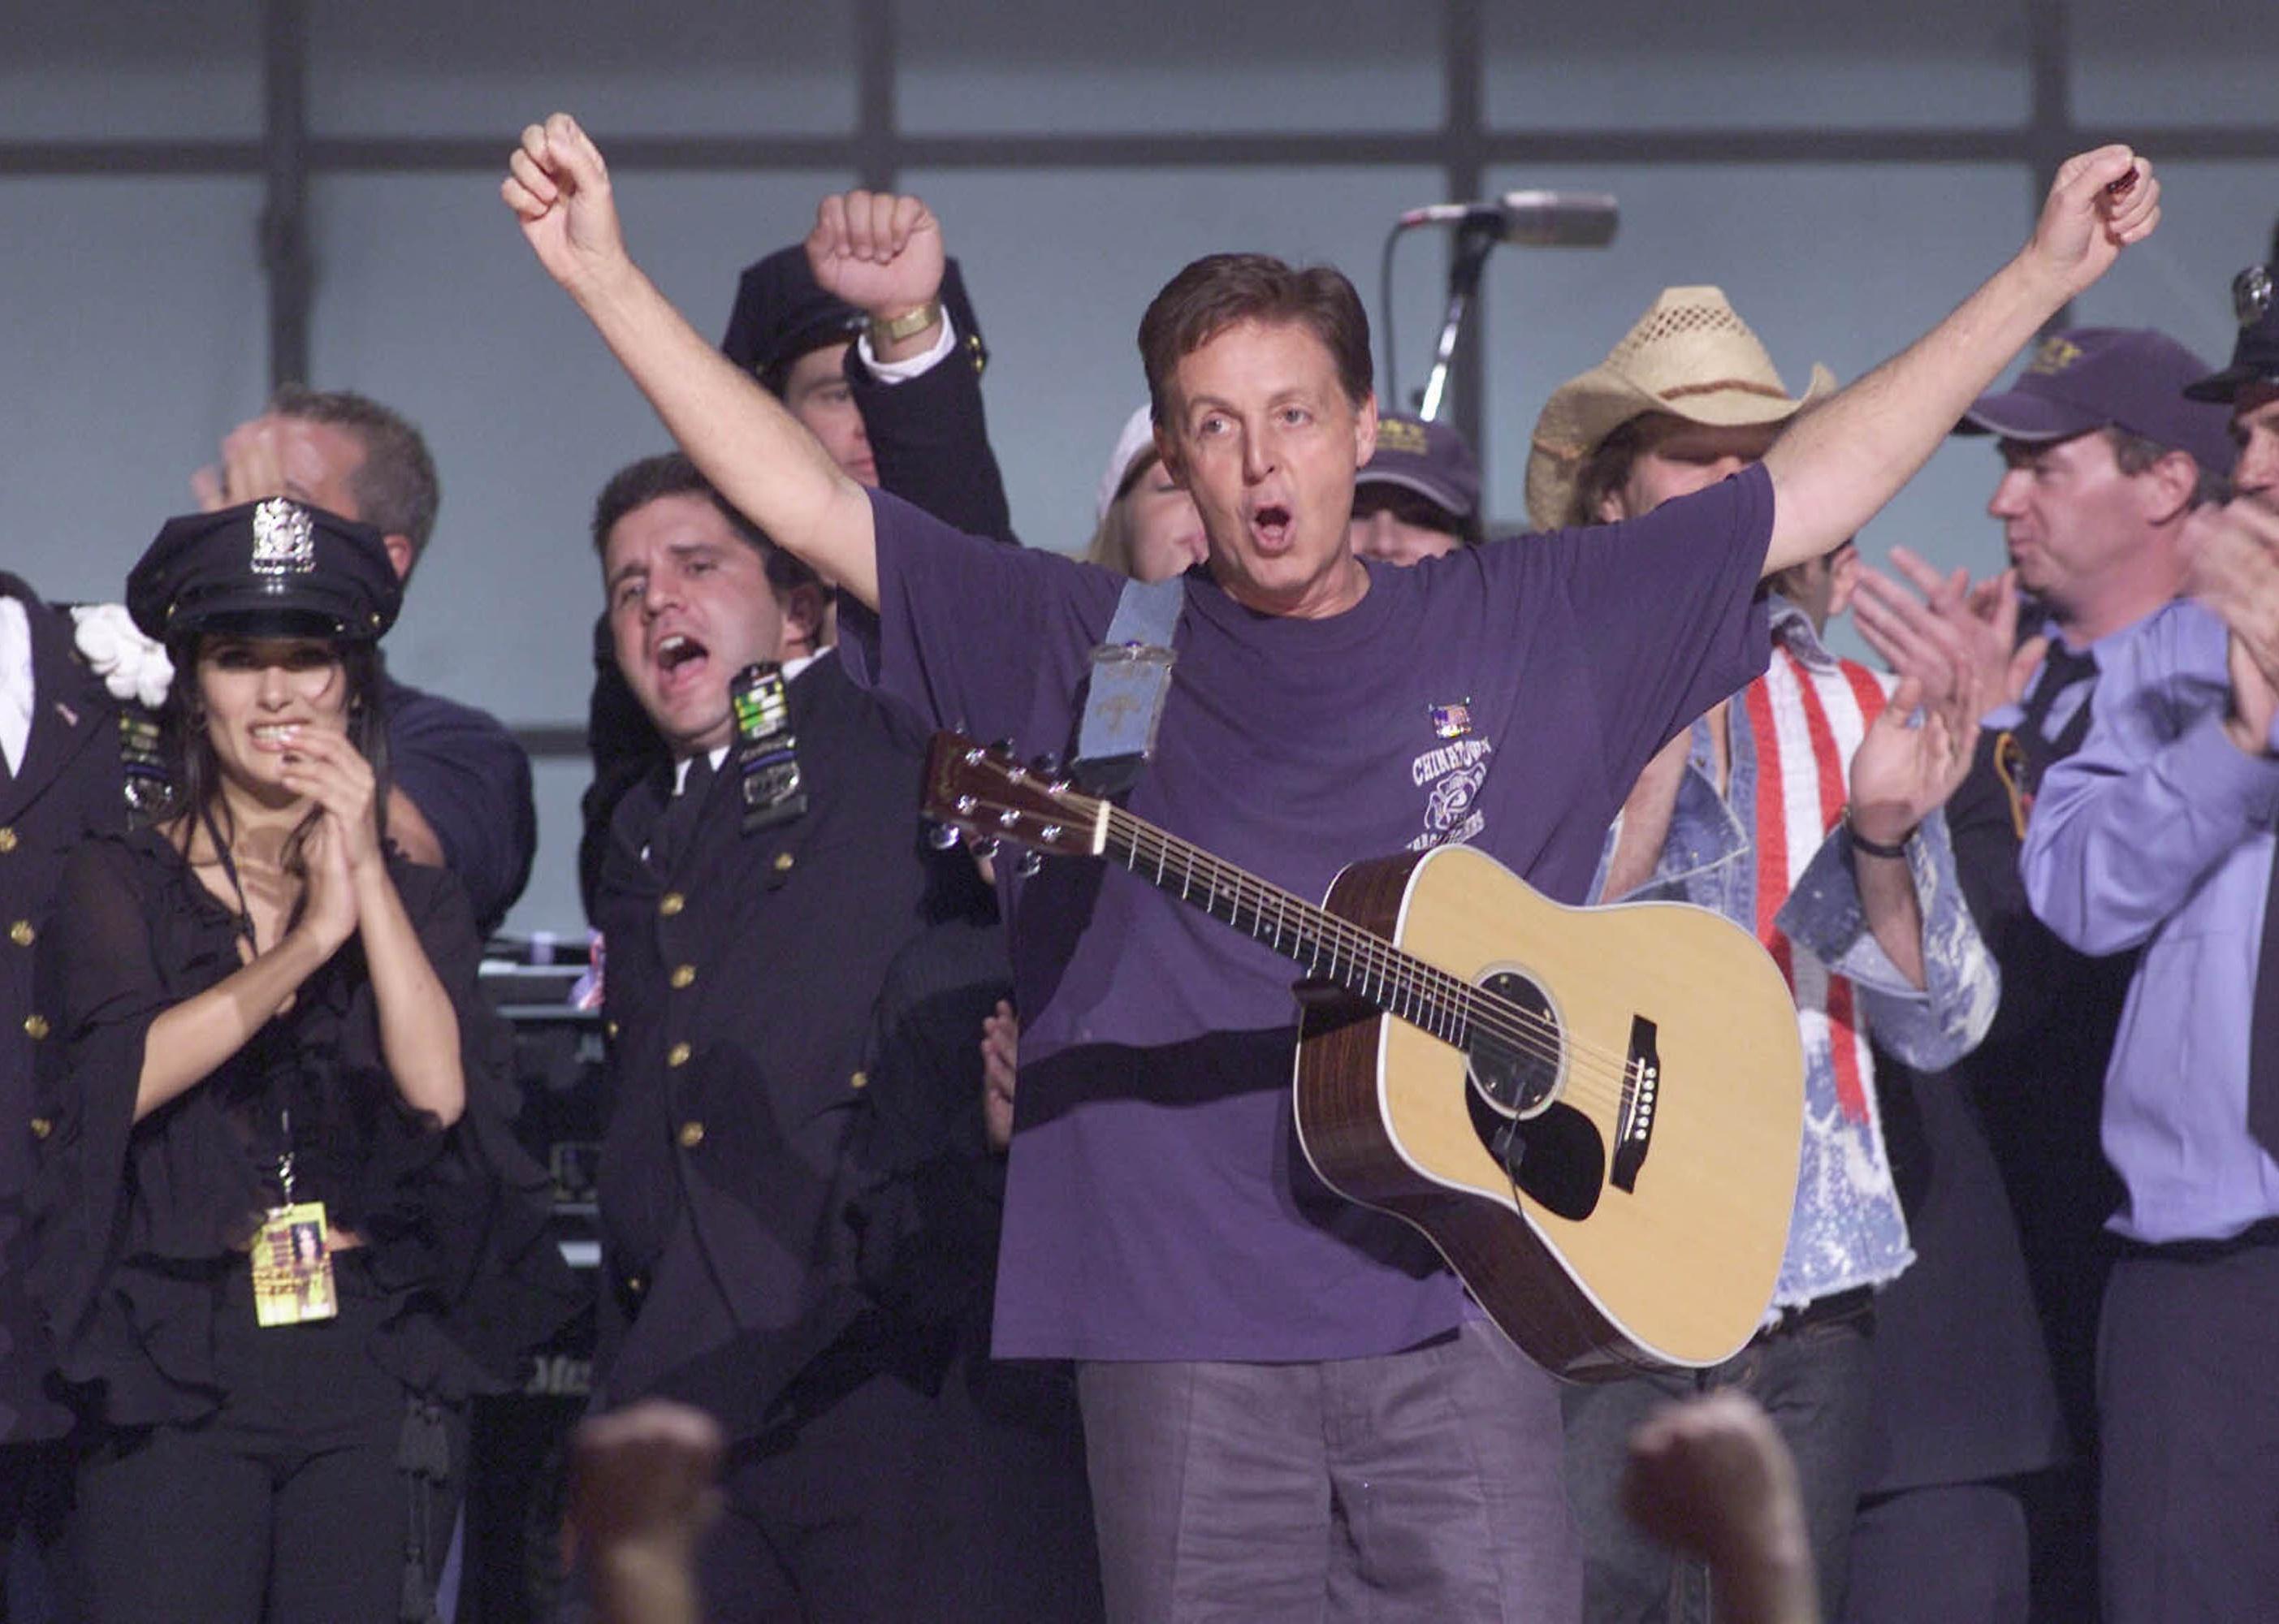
(766, 754)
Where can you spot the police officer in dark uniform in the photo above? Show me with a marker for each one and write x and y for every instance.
(60, 780)
(923, 436)
(755, 892)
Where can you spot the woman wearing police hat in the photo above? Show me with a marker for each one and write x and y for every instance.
(283, 1231)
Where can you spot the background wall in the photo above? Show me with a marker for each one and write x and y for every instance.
(199, 197)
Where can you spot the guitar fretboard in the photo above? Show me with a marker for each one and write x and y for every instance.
(1329, 947)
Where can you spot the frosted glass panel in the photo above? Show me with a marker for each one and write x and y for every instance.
(132, 333)
(119, 72)
(1170, 67)
(1629, 64)
(432, 68)
(1840, 265)
(2184, 62)
(1062, 308)
(2214, 219)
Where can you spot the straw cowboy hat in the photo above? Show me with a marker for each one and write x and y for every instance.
(1691, 357)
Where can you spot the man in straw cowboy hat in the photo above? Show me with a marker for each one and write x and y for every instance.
(1289, 1412)
(1807, 808)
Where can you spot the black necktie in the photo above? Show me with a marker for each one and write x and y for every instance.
(2263, 1036)
(2061, 669)
(676, 831)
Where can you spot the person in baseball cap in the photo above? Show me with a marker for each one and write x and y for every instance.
(1418, 495)
(2103, 460)
(1145, 525)
(2249, 385)
(2133, 379)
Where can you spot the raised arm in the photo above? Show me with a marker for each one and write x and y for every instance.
(1840, 463)
(754, 452)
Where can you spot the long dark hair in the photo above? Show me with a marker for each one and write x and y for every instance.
(193, 772)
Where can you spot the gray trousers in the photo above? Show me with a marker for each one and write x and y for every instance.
(1422, 1485)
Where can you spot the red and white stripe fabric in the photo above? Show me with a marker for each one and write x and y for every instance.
(1806, 719)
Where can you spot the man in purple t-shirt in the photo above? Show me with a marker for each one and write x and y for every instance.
(1287, 1404)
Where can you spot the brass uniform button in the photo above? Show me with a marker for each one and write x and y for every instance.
(784, 861)
(677, 1055)
(683, 974)
(7, 838)
(42, 1127)
(21, 933)
(35, 1027)
(691, 1135)
(671, 903)
(861, 1079)
(609, 1029)
(636, 1284)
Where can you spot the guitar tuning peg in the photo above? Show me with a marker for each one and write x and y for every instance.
(1028, 864)
(1047, 765)
(984, 846)
(942, 837)
(1000, 746)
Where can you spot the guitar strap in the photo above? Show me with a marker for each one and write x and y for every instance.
(1131, 676)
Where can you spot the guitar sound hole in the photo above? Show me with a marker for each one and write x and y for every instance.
(1515, 1073)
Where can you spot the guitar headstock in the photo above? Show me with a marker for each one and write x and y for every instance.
(989, 795)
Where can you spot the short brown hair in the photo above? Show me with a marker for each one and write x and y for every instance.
(2134, 454)
(396, 487)
(653, 478)
(1218, 290)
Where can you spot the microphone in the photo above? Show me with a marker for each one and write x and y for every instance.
(1532, 220)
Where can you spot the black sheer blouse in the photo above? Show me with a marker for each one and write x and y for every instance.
(138, 1223)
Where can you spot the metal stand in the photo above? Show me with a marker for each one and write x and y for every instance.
(1474, 241)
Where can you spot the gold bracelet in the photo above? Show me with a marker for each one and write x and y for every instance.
(893, 329)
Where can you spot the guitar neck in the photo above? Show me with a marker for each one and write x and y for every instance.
(1330, 949)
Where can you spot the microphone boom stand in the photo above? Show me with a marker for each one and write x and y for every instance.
(1476, 238)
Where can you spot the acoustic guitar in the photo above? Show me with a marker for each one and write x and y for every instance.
(1593, 1113)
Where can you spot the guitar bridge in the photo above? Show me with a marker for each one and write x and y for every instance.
(1642, 1094)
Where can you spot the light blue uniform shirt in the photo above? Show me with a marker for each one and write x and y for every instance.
(2158, 833)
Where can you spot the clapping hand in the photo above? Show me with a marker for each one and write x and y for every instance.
(1953, 626)
(2232, 570)
(344, 848)
(1903, 770)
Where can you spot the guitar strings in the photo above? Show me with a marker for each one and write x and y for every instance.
(1530, 1034)
(1382, 961)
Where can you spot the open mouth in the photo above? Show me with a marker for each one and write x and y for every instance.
(1271, 526)
(275, 735)
(681, 661)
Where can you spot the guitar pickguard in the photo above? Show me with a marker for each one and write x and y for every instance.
(1555, 1157)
